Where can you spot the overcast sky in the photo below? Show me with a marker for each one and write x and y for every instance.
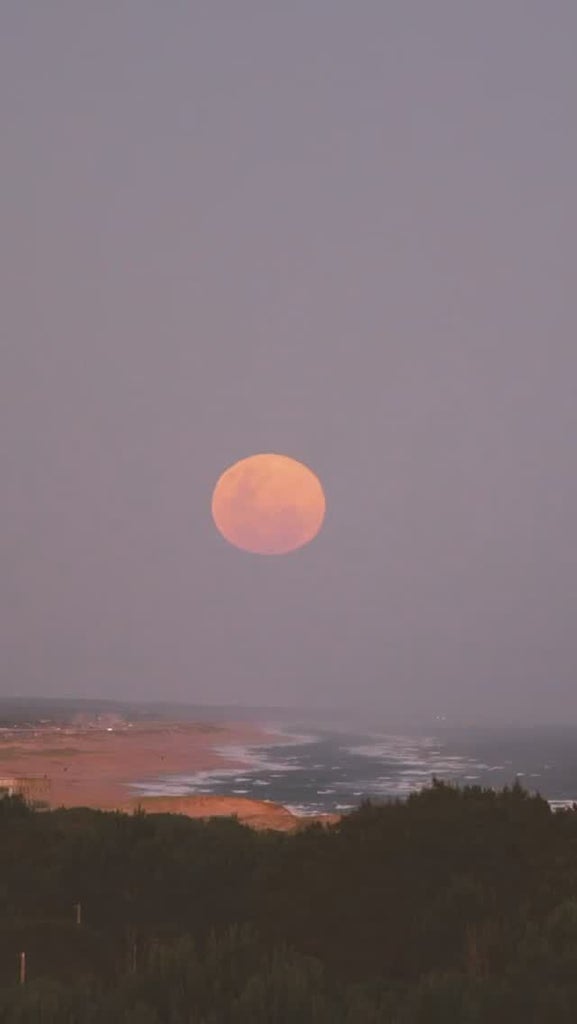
(341, 231)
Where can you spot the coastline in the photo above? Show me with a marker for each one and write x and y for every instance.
(205, 768)
(96, 764)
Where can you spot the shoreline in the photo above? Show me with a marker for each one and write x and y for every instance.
(97, 764)
(100, 764)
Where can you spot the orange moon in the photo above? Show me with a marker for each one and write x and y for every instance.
(268, 504)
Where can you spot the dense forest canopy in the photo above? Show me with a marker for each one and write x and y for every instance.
(457, 906)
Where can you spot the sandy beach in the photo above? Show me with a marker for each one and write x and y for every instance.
(93, 765)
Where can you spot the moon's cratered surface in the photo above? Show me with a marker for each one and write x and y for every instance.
(268, 504)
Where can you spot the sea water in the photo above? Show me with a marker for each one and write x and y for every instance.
(334, 770)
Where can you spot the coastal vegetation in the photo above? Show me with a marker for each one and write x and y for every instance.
(456, 906)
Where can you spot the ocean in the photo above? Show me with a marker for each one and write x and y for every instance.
(319, 771)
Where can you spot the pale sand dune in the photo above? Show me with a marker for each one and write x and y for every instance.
(256, 813)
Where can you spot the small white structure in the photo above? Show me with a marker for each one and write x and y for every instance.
(35, 789)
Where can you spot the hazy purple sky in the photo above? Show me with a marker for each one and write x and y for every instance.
(341, 231)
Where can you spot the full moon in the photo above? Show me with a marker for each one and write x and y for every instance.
(268, 504)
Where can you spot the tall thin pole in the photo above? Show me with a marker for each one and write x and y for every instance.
(78, 908)
(22, 968)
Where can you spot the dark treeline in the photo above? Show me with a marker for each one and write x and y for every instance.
(454, 907)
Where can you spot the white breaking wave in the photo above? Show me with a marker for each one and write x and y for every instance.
(412, 760)
(305, 810)
(250, 757)
(562, 805)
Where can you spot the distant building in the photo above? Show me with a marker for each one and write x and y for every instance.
(35, 789)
